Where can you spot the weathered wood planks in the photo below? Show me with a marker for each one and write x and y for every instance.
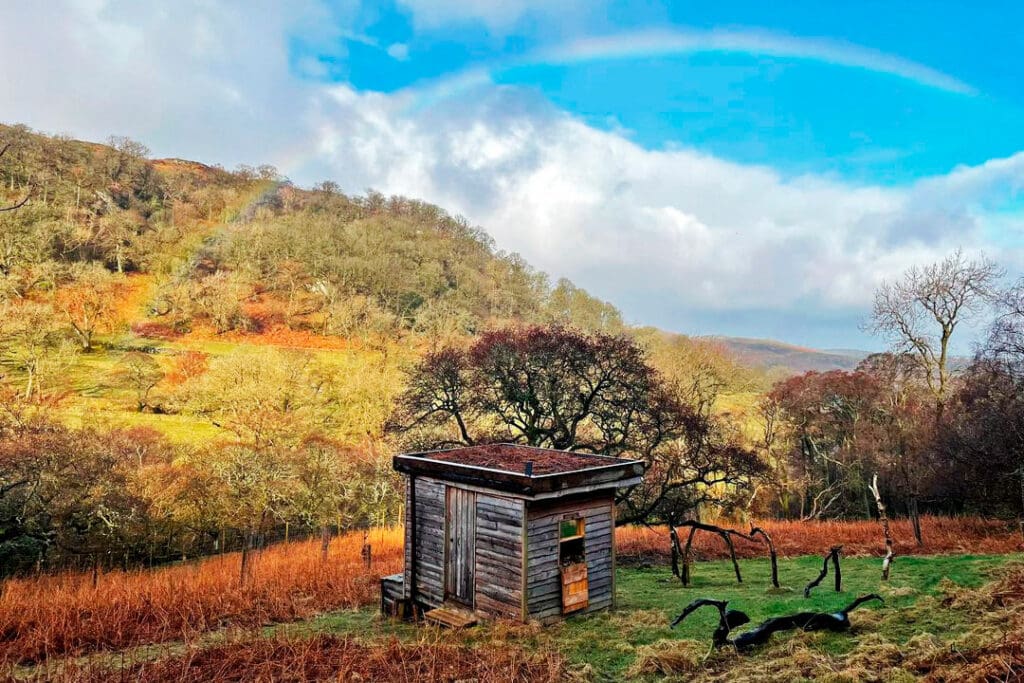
(544, 583)
(429, 546)
(460, 549)
(498, 556)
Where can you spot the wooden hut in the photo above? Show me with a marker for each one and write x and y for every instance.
(508, 531)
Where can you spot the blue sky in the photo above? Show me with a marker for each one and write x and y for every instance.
(742, 168)
(797, 114)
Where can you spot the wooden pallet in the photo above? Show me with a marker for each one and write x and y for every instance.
(452, 617)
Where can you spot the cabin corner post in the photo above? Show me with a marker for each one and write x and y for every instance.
(524, 578)
(410, 519)
(615, 551)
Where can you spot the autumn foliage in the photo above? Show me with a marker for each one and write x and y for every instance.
(858, 537)
(63, 614)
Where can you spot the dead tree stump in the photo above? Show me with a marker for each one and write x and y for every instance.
(758, 531)
(683, 571)
(833, 555)
(884, 518)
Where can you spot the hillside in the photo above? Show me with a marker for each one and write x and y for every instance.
(768, 354)
(247, 250)
(133, 289)
(204, 270)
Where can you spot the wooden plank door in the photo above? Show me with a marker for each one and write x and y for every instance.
(460, 550)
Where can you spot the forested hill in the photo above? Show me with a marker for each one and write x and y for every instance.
(770, 354)
(247, 250)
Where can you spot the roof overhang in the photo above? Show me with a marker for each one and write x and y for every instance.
(617, 473)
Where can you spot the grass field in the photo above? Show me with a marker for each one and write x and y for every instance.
(193, 622)
(932, 608)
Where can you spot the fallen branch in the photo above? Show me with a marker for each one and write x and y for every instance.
(884, 518)
(833, 555)
(728, 619)
(759, 635)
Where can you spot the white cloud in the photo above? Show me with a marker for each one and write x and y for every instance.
(594, 206)
(207, 80)
(654, 230)
(495, 14)
(399, 51)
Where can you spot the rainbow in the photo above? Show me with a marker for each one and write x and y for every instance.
(660, 43)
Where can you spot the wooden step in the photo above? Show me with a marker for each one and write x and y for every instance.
(452, 617)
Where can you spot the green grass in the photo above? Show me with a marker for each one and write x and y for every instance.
(648, 599)
(606, 645)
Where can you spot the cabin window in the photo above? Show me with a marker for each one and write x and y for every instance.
(571, 538)
(571, 529)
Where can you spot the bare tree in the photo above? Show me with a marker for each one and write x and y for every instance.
(28, 195)
(920, 312)
(1006, 336)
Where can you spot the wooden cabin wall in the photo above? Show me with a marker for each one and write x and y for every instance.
(499, 548)
(429, 545)
(544, 587)
(409, 526)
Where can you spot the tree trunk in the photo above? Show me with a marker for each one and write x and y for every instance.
(246, 569)
(771, 553)
(674, 538)
(685, 575)
(325, 541)
(1021, 473)
(884, 518)
(84, 338)
(915, 520)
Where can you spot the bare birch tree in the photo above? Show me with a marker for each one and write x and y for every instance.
(920, 312)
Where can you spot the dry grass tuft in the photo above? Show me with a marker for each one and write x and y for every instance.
(993, 650)
(64, 614)
(668, 658)
(329, 657)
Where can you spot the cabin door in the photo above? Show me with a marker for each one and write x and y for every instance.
(460, 549)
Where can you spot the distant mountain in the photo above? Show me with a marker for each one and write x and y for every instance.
(771, 354)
